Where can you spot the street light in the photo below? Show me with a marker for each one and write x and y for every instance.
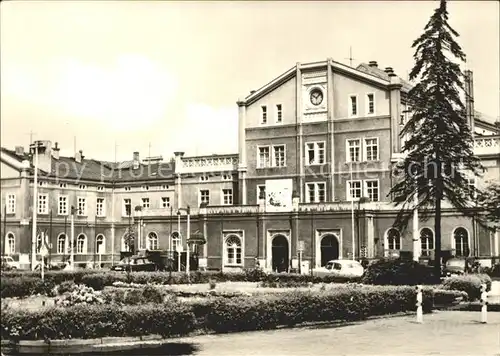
(35, 146)
(361, 200)
(188, 231)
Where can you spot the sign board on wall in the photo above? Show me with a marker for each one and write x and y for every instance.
(279, 195)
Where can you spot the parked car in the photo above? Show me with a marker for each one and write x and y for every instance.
(340, 268)
(136, 264)
(455, 266)
(8, 263)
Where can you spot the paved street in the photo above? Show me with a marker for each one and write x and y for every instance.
(443, 333)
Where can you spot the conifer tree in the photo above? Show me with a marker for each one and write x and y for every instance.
(438, 156)
(489, 203)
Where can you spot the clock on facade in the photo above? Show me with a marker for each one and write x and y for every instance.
(316, 97)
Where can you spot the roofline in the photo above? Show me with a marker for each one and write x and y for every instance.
(487, 124)
(211, 156)
(338, 67)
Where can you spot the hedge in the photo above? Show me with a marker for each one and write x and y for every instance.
(469, 283)
(399, 272)
(12, 282)
(214, 314)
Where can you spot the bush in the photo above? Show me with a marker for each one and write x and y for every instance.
(80, 295)
(399, 272)
(25, 286)
(469, 283)
(136, 296)
(96, 321)
(442, 297)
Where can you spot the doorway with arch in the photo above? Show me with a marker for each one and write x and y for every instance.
(329, 248)
(280, 254)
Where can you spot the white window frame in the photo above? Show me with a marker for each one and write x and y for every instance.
(365, 188)
(66, 212)
(81, 212)
(97, 250)
(258, 191)
(149, 239)
(279, 113)
(273, 156)
(65, 249)
(348, 149)
(103, 207)
(316, 192)
(145, 203)
(348, 189)
(176, 241)
(11, 203)
(349, 106)
(365, 149)
(263, 115)
(10, 247)
(234, 262)
(84, 249)
(124, 209)
(44, 211)
(259, 161)
(230, 200)
(316, 151)
(165, 202)
(367, 108)
(400, 240)
(200, 196)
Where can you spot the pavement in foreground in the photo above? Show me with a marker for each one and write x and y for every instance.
(442, 333)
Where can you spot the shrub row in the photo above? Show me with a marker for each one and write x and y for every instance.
(469, 283)
(212, 314)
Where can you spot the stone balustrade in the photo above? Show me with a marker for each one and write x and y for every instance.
(214, 163)
(487, 145)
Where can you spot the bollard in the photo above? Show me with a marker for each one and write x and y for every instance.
(484, 304)
(420, 314)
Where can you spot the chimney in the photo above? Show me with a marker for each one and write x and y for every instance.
(136, 160)
(79, 156)
(389, 70)
(252, 91)
(19, 150)
(373, 64)
(469, 98)
(55, 151)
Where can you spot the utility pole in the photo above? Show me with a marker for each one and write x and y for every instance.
(350, 57)
(72, 239)
(352, 215)
(34, 208)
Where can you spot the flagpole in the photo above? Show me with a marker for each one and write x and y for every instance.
(352, 214)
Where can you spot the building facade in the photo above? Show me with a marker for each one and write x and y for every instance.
(310, 182)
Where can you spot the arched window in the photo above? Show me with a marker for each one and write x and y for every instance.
(233, 250)
(393, 239)
(11, 243)
(176, 241)
(61, 244)
(100, 245)
(461, 238)
(152, 241)
(125, 246)
(81, 244)
(426, 241)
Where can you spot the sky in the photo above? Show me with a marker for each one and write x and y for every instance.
(163, 76)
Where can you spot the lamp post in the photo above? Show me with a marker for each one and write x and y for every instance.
(358, 213)
(35, 147)
(72, 239)
(188, 231)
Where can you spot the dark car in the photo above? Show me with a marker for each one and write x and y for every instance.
(135, 264)
(455, 266)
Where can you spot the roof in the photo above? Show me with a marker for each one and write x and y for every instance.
(103, 171)
(380, 73)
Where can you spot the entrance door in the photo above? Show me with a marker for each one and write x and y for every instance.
(329, 249)
(280, 254)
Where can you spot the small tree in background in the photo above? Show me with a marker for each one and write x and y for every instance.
(439, 153)
(489, 202)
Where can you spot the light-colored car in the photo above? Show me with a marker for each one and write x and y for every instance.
(340, 268)
(9, 261)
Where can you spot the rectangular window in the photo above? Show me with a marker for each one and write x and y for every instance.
(353, 105)
(261, 192)
(100, 207)
(353, 150)
(370, 101)
(43, 204)
(315, 153)
(371, 149)
(127, 207)
(353, 190)
(165, 202)
(81, 206)
(372, 190)
(316, 192)
(264, 115)
(279, 156)
(63, 205)
(279, 114)
(145, 203)
(227, 196)
(11, 204)
(204, 196)
(264, 157)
